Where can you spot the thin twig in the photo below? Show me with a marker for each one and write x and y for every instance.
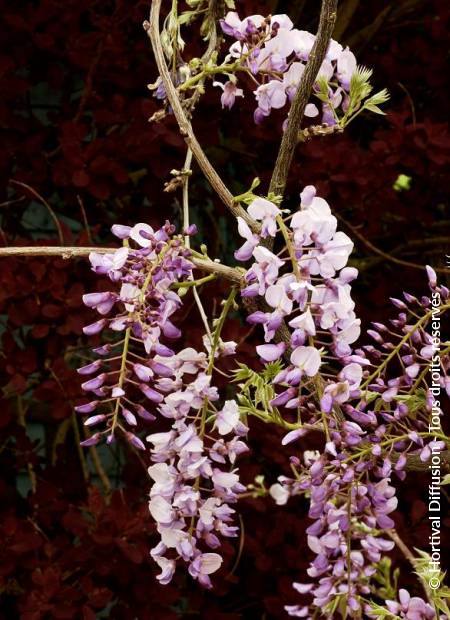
(203, 264)
(289, 140)
(388, 257)
(187, 240)
(152, 29)
(85, 220)
(411, 103)
(46, 205)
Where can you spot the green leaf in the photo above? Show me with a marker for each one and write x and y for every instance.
(377, 612)
(373, 108)
(381, 97)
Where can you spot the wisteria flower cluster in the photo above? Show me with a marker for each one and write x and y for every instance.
(344, 394)
(194, 474)
(195, 479)
(313, 291)
(331, 388)
(140, 310)
(270, 56)
(275, 53)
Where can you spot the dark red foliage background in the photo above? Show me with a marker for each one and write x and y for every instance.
(74, 112)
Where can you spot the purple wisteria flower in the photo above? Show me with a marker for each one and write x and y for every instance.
(229, 94)
(307, 303)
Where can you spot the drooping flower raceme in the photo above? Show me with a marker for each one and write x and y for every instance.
(145, 272)
(195, 476)
(335, 390)
(269, 57)
(194, 473)
(275, 53)
(312, 296)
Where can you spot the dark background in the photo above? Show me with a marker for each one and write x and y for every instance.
(74, 112)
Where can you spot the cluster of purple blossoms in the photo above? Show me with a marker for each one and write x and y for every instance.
(350, 396)
(307, 286)
(194, 475)
(275, 54)
(343, 537)
(140, 309)
(195, 479)
(361, 400)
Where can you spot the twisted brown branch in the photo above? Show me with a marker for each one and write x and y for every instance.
(316, 58)
(152, 29)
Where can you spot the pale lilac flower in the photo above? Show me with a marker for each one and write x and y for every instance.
(204, 565)
(334, 50)
(264, 270)
(270, 95)
(120, 231)
(314, 222)
(283, 21)
(303, 43)
(87, 408)
(130, 294)
(102, 302)
(109, 264)
(167, 569)
(293, 436)
(307, 195)
(238, 29)
(334, 393)
(91, 441)
(95, 419)
(227, 418)
(346, 67)
(411, 608)
(279, 493)
(251, 241)
(264, 211)
(353, 374)
(271, 352)
(305, 322)
(94, 384)
(277, 298)
(307, 360)
(311, 110)
(89, 369)
(279, 47)
(142, 234)
(292, 77)
(332, 257)
(326, 70)
(232, 25)
(432, 277)
(229, 94)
